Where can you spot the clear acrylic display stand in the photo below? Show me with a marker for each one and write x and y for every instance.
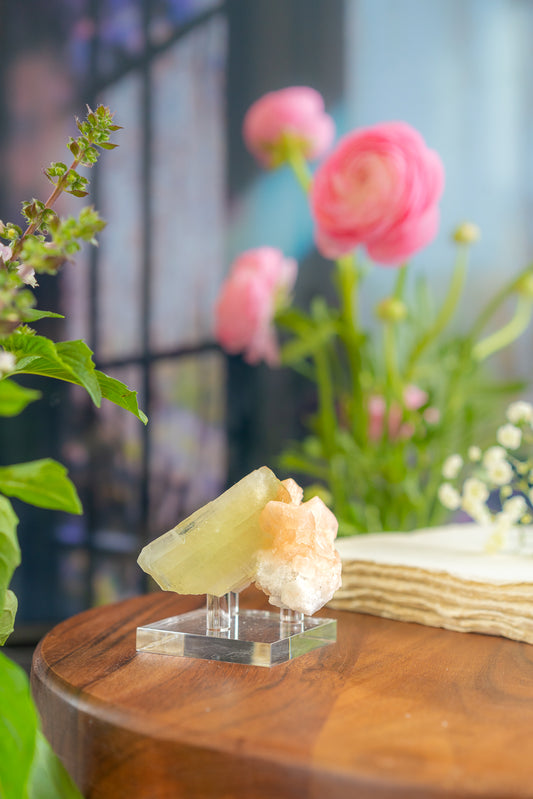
(221, 632)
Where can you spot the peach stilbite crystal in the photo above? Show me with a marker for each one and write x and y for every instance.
(301, 569)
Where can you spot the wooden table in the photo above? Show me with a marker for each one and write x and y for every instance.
(391, 710)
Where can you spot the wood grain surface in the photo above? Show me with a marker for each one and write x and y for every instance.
(391, 710)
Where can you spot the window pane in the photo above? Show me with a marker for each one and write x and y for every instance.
(115, 577)
(167, 16)
(188, 186)
(188, 448)
(103, 452)
(120, 34)
(120, 253)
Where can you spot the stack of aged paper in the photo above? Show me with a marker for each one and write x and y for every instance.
(441, 577)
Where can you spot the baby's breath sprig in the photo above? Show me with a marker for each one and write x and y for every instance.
(495, 487)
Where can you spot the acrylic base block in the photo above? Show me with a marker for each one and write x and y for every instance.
(253, 637)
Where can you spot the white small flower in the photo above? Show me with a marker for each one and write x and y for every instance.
(500, 473)
(476, 509)
(452, 466)
(493, 455)
(6, 253)
(520, 412)
(502, 524)
(449, 496)
(514, 508)
(503, 521)
(475, 489)
(7, 362)
(27, 275)
(509, 436)
(474, 454)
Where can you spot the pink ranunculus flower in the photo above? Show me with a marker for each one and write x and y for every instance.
(260, 281)
(296, 113)
(378, 188)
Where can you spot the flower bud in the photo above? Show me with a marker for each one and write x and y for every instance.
(391, 309)
(467, 233)
(524, 286)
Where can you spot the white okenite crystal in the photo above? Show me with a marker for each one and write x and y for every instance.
(301, 569)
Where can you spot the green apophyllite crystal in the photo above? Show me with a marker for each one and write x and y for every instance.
(214, 550)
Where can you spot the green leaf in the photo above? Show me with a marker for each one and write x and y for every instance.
(14, 398)
(8, 611)
(29, 769)
(18, 730)
(9, 545)
(117, 392)
(69, 360)
(299, 348)
(48, 777)
(33, 315)
(78, 357)
(43, 483)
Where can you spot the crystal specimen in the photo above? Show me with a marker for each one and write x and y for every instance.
(214, 550)
(300, 569)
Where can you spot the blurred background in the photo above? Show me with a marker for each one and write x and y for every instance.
(182, 198)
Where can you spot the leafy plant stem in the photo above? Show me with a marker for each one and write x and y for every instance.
(59, 187)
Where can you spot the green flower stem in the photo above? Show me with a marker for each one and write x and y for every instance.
(508, 333)
(327, 418)
(488, 312)
(393, 379)
(348, 279)
(401, 277)
(327, 425)
(447, 309)
(299, 166)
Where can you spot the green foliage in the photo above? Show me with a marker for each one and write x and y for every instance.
(43, 483)
(70, 361)
(48, 241)
(14, 398)
(117, 392)
(9, 546)
(8, 611)
(28, 767)
(48, 777)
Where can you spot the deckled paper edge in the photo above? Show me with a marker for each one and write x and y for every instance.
(457, 549)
